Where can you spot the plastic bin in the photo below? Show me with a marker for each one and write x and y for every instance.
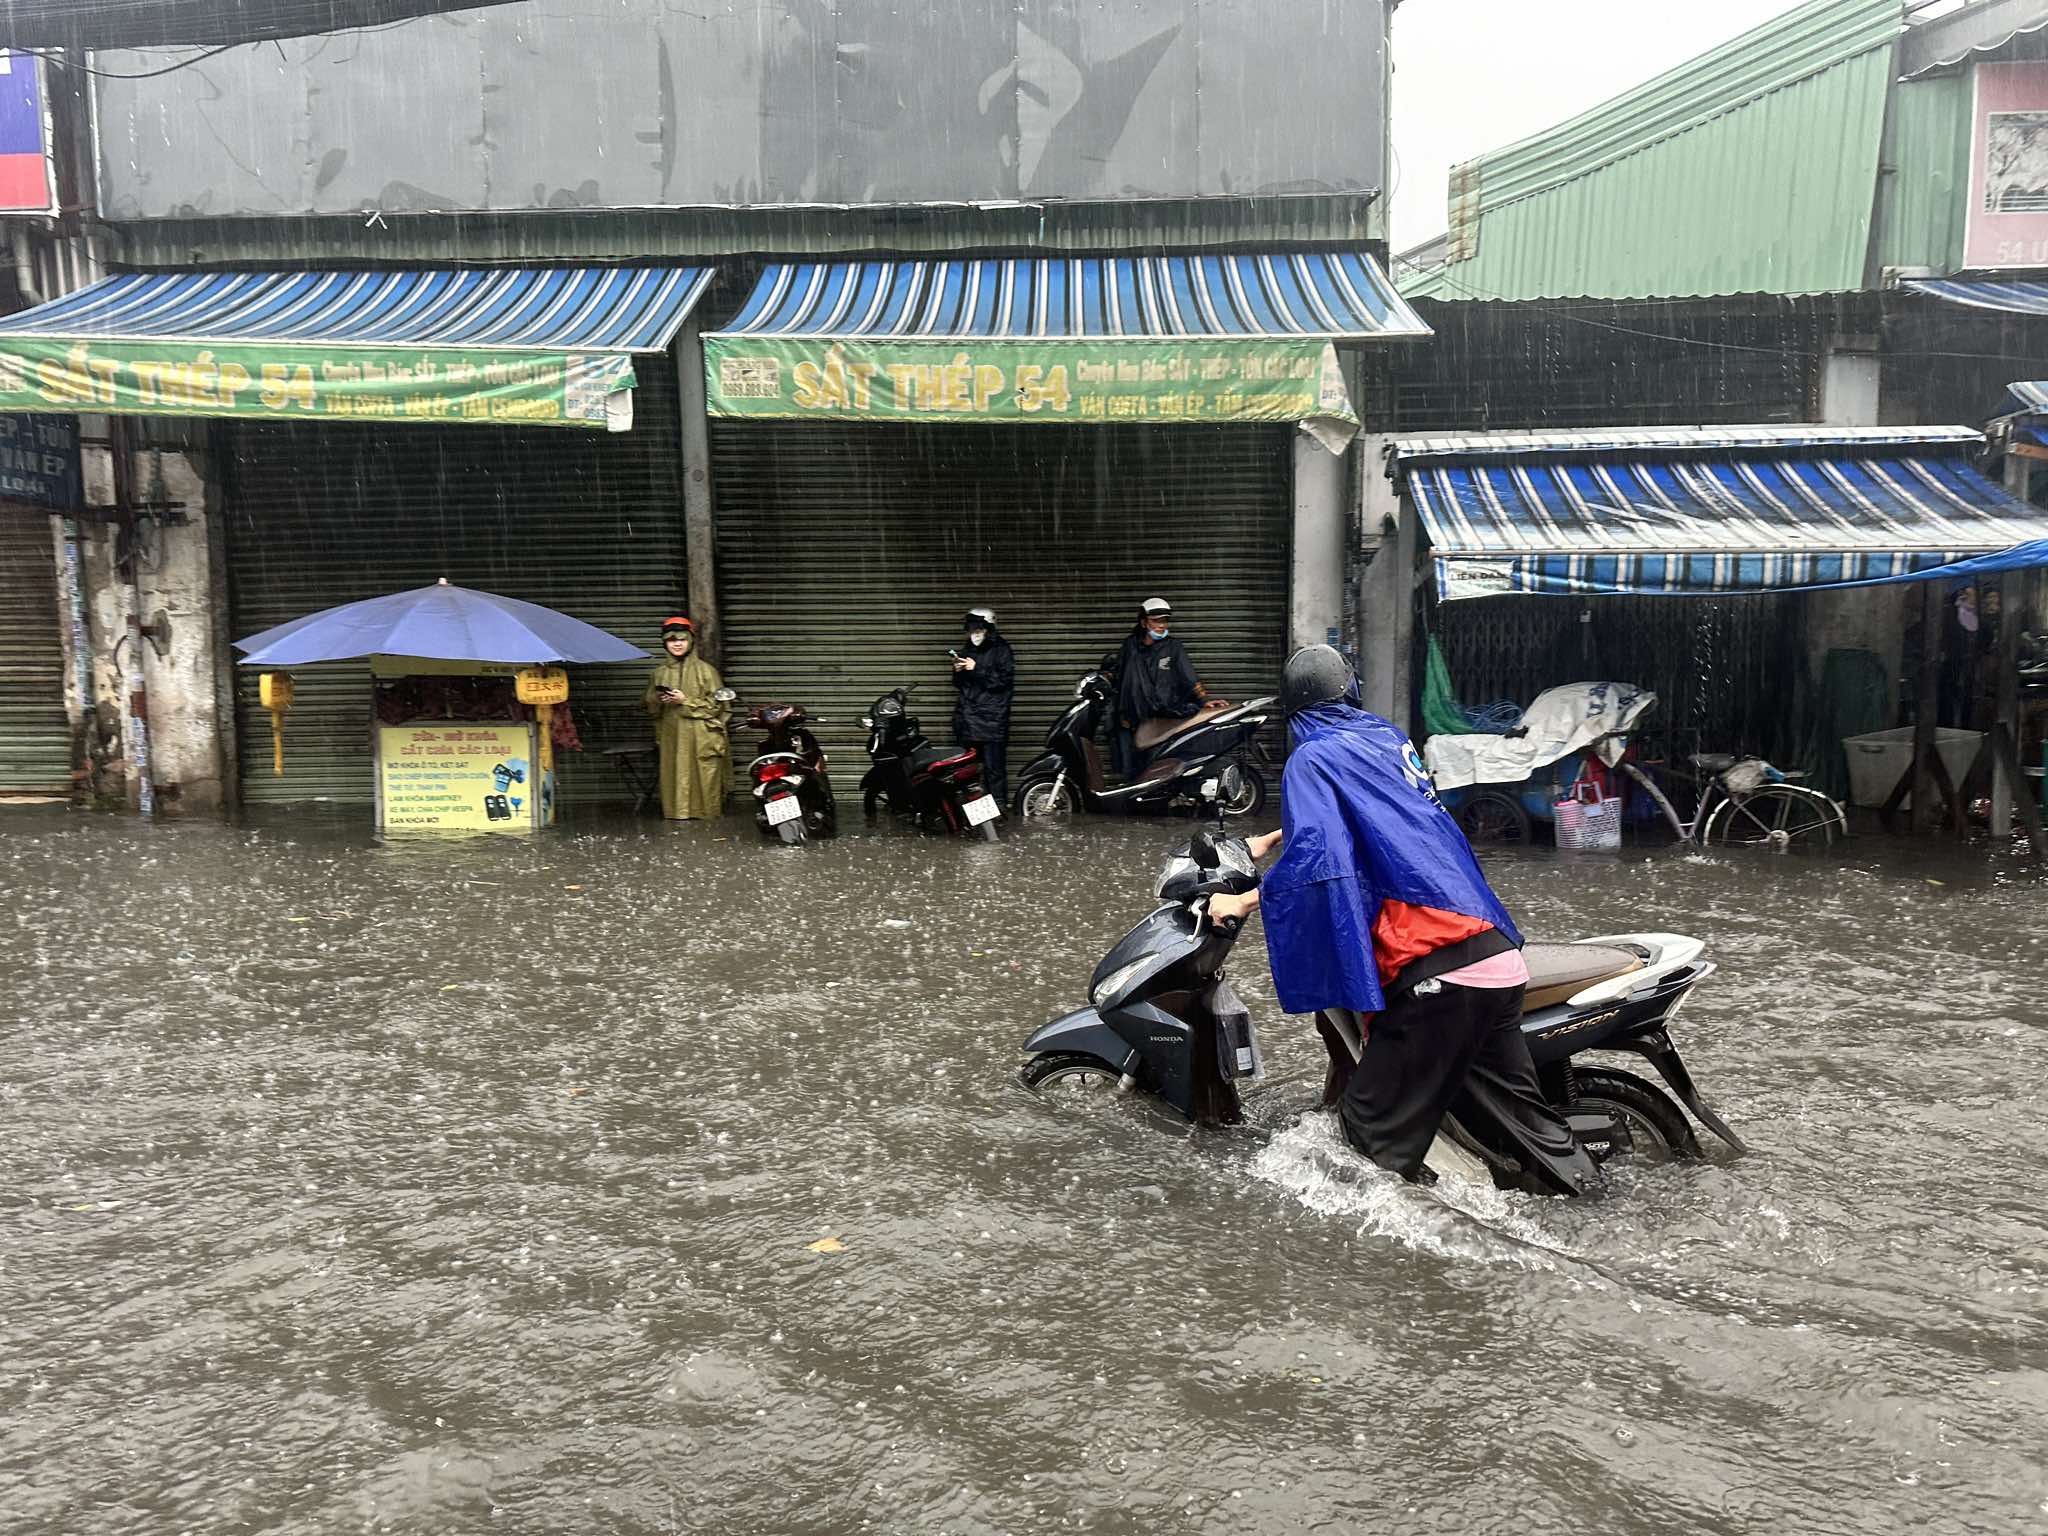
(1877, 758)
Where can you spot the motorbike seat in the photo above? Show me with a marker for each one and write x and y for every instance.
(1150, 733)
(1556, 971)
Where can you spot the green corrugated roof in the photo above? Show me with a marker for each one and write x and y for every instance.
(1752, 169)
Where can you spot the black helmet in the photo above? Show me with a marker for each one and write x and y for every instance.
(1316, 674)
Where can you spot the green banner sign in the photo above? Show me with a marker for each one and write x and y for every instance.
(1115, 380)
(313, 383)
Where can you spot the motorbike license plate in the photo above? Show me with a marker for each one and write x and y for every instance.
(982, 808)
(785, 808)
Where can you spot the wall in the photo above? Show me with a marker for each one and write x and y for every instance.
(562, 104)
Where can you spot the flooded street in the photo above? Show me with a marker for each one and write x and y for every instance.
(469, 1185)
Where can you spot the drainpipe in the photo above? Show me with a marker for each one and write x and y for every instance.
(24, 266)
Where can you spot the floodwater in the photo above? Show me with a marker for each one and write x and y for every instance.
(452, 1186)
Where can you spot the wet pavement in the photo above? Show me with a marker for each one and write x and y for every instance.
(470, 1186)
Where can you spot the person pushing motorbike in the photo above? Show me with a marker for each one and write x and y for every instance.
(1377, 907)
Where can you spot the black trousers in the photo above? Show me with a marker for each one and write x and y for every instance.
(1444, 1047)
(995, 768)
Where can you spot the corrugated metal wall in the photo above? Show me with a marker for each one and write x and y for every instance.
(848, 554)
(35, 733)
(1752, 169)
(587, 522)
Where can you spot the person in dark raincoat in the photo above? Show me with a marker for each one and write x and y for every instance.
(985, 673)
(1155, 680)
(690, 727)
(1377, 907)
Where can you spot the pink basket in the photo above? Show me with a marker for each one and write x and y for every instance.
(1587, 821)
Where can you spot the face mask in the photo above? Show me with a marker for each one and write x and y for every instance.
(976, 636)
(1160, 634)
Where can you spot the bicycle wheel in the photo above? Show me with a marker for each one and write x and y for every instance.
(1775, 816)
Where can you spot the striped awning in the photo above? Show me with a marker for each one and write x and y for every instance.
(568, 309)
(524, 346)
(1746, 509)
(2012, 296)
(1333, 296)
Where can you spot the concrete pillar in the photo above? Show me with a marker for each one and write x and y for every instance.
(1870, 618)
(1315, 604)
(699, 551)
(1386, 586)
(173, 567)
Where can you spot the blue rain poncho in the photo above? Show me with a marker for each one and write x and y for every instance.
(1363, 827)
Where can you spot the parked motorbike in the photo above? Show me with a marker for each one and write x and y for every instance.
(1162, 1019)
(1215, 744)
(792, 795)
(937, 786)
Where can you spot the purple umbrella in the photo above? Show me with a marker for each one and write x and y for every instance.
(443, 622)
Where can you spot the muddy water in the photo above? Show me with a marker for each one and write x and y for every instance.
(470, 1186)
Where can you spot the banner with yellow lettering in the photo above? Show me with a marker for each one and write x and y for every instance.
(314, 383)
(1114, 380)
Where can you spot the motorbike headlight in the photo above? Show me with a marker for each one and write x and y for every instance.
(1122, 977)
(888, 709)
(867, 722)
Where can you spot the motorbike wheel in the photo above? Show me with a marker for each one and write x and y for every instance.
(1072, 1072)
(791, 831)
(1657, 1128)
(1492, 818)
(1251, 798)
(1037, 800)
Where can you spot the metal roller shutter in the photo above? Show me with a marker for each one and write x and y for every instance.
(35, 732)
(847, 555)
(587, 522)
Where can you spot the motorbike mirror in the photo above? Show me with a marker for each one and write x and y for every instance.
(1203, 850)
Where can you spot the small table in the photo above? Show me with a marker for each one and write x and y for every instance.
(640, 767)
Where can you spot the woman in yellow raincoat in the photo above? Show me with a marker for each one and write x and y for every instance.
(689, 727)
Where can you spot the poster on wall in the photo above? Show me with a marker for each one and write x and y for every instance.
(2008, 202)
(461, 775)
(25, 185)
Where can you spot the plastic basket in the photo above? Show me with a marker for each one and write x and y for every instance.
(1588, 822)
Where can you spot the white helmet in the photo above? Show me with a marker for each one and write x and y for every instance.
(1156, 608)
(979, 618)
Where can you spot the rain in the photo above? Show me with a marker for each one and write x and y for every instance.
(552, 1165)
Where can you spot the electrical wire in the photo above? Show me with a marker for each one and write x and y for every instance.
(53, 56)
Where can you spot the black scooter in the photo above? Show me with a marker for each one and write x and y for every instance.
(1212, 746)
(937, 786)
(1163, 1019)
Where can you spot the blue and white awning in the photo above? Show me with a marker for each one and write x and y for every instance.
(1713, 510)
(1333, 296)
(2011, 296)
(557, 309)
(518, 346)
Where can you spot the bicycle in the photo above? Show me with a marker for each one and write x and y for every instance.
(1746, 803)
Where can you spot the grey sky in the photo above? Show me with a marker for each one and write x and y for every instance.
(1472, 75)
